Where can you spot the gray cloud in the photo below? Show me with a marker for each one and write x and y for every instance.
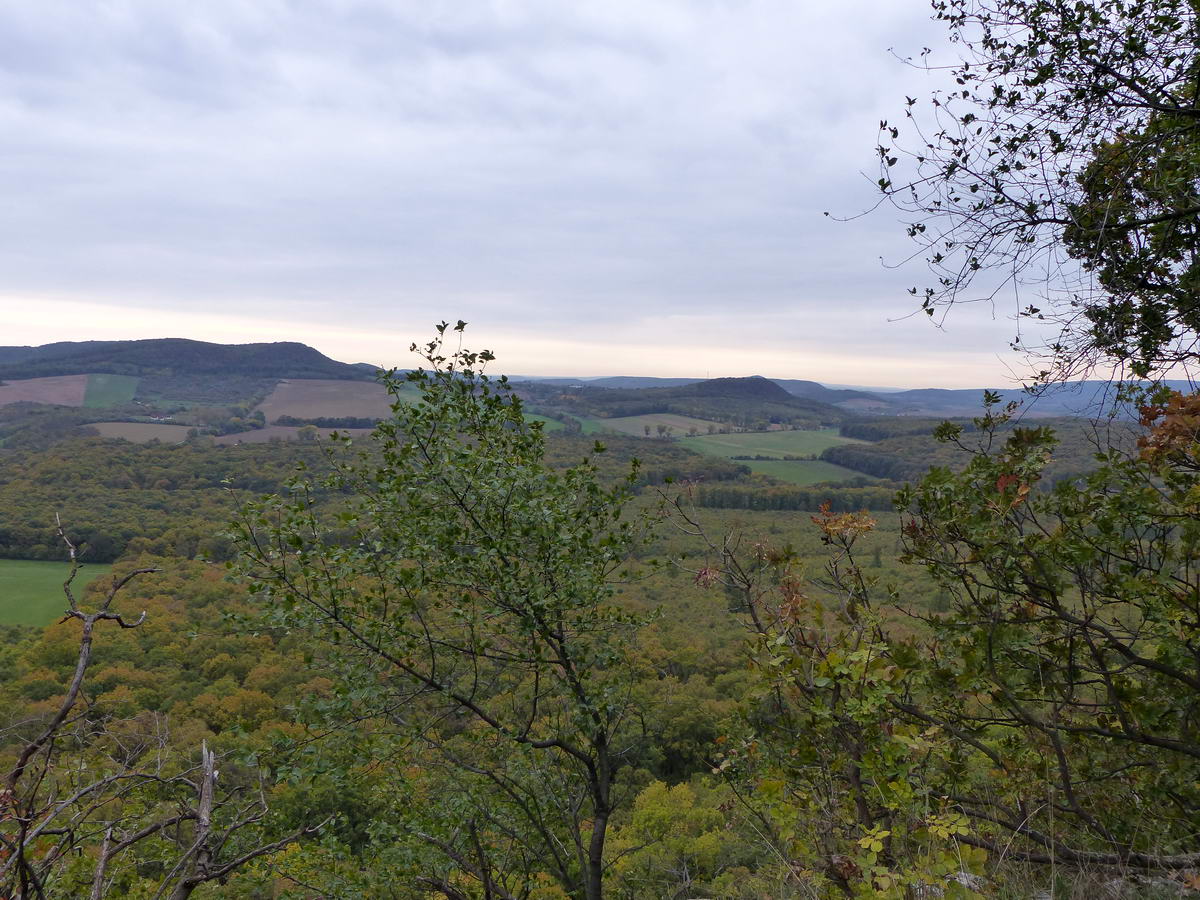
(577, 170)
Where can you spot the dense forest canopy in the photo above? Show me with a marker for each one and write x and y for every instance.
(482, 655)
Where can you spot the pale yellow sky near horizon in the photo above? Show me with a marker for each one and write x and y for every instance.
(634, 351)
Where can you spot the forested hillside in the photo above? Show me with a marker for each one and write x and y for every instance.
(752, 403)
(173, 357)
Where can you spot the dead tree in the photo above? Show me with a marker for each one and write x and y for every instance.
(54, 805)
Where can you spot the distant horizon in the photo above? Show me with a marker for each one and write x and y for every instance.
(672, 347)
(603, 188)
(573, 376)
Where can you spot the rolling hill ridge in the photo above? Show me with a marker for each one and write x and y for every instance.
(174, 356)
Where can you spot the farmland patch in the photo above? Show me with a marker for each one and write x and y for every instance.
(590, 426)
(803, 442)
(31, 591)
(105, 391)
(548, 424)
(61, 390)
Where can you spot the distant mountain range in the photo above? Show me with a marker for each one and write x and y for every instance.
(1079, 398)
(182, 357)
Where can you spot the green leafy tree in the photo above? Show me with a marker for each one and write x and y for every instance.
(1064, 158)
(838, 762)
(685, 841)
(466, 605)
(98, 796)
(1068, 658)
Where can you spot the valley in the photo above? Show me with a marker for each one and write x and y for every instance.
(746, 499)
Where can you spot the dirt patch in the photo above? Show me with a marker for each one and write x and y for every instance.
(311, 398)
(61, 390)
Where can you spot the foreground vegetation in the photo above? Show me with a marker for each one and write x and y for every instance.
(474, 661)
(533, 682)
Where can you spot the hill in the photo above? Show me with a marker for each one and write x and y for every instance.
(812, 390)
(173, 357)
(753, 402)
(611, 381)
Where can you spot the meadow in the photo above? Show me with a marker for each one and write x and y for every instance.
(803, 442)
(778, 444)
(737, 445)
(105, 391)
(590, 426)
(31, 591)
(637, 425)
(548, 424)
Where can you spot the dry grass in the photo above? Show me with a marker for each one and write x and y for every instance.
(311, 398)
(62, 390)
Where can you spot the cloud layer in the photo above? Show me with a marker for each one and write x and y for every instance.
(598, 186)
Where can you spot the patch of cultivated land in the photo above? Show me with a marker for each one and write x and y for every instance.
(636, 425)
(143, 432)
(803, 442)
(548, 424)
(31, 590)
(803, 471)
(590, 426)
(768, 443)
(62, 390)
(311, 398)
(105, 391)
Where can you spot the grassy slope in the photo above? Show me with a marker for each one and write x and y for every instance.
(548, 424)
(104, 391)
(767, 443)
(31, 591)
(592, 426)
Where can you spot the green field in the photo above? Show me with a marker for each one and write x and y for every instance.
(591, 426)
(104, 391)
(31, 591)
(805, 442)
(548, 424)
(802, 471)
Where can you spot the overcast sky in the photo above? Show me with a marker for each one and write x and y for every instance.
(611, 187)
